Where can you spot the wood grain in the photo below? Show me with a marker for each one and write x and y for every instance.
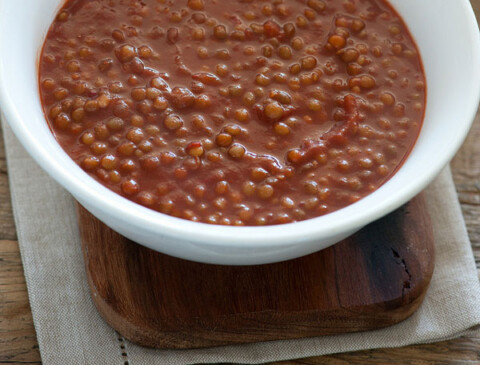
(18, 342)
(17, 335)
(373, 279)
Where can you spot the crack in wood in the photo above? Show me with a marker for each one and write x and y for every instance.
(401, 261)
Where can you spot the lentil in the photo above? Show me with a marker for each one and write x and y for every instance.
(273, 110)
(236, 150)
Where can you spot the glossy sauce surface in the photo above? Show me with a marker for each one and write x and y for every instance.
(234, 112)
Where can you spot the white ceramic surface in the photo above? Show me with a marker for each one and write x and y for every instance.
(447, 35)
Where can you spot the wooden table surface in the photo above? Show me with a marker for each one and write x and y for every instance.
(18, 343)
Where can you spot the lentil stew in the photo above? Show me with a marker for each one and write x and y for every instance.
(236, 112)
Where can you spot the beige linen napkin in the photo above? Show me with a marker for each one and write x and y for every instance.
(70, 331)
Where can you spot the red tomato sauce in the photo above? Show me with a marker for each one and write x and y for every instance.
(234, 112)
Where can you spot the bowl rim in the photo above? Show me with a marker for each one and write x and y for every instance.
(232, 236)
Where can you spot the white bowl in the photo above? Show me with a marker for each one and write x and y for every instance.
(447, 35)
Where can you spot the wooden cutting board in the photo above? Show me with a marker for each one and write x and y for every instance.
(376, 278)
